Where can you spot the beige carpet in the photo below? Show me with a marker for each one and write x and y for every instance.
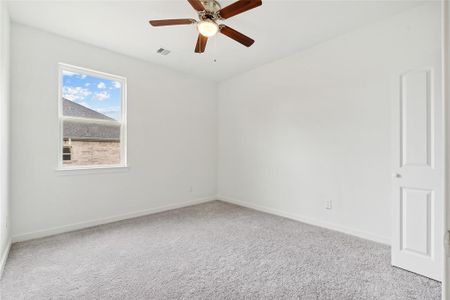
(209, 251)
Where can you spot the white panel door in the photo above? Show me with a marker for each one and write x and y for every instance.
(418, 178)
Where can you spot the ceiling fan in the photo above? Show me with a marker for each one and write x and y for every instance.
(209, 13)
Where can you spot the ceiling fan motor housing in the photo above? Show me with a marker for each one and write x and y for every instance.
(211, 6)
(211, 11)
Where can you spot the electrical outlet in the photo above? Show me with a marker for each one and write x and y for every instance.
(328, 204)
(190, 189)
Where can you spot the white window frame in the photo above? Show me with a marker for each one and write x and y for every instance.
(123, 122)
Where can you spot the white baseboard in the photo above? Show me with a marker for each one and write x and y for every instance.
(297, 217)
(308, 220)
(87, 224)
(4, 257)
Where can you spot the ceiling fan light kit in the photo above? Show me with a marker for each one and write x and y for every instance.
(207, 28)
(209, 13)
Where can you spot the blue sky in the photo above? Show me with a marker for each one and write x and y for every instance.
(99, 94)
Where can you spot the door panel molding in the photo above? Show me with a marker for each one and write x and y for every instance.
(417, 218)
(416, 95)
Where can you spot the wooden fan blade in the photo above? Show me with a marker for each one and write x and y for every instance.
(236, 35)
(201, 44)
(197, 5)
(168, 22)
(238, 8)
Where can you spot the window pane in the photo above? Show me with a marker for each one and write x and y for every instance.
(93, 97)
(91, 108)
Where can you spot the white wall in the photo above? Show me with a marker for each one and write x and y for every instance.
(316, 126)
(171, 139)
(4, 134)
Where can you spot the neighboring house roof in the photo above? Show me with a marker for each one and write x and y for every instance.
(73, 109)
(85, 130)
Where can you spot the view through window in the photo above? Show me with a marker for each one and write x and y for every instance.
(92, 118)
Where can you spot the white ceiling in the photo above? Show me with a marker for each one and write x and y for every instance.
(280, 27)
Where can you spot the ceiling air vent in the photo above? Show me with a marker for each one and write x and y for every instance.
(163, 51)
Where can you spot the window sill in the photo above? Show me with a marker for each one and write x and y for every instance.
(92, 169)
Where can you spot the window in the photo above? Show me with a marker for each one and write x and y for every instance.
(67, 153)
(92, 117)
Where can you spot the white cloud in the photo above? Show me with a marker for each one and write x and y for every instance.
(101, 85)
(87, 84)
(68, 73)
(108, 110)
(116, 84)
(112, 111)
(75, 93)
(102, 96)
